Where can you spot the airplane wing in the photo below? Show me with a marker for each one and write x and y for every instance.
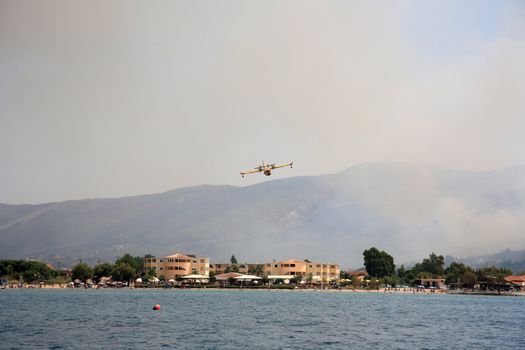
(282, 165)
(256, 170)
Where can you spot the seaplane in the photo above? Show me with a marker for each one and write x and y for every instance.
(266, 168)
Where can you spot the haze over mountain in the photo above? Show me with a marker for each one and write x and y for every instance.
(407, 210)
(511, 259)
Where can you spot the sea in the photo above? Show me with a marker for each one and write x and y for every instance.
(256, 319)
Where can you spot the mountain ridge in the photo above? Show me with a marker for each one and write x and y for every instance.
(409, 210)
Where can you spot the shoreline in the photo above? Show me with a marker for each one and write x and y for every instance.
(386, 291)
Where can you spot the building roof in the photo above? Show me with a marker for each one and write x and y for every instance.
(225, 276)
(293, 261)
(248, 277)
(357, 273)
(196, 277)
(516, 279)
(179, 256)
(280, 277)
(297, 261)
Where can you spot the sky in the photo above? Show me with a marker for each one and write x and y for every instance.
(110, 99)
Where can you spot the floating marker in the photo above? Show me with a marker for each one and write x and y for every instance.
(156, 307)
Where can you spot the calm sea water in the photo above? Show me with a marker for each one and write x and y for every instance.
(211, 319)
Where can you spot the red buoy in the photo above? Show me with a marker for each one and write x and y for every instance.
(156, 307)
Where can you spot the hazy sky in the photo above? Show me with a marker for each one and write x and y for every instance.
(115, 98)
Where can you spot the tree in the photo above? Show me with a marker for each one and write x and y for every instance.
(391, 280)
(233, 260)
(212, 276)
(297, 278)
(257, 270)
(409, 276)
(468, 277)
(401, 271)
(231, 268)
(456, 273)
(135, 262)
(434, 264)
(150, 274)
(82, 272)
(102, 270)
(309, 278)
(344, 275)
(123, 272)
(492, 275)
(30, 271)
(378, 263)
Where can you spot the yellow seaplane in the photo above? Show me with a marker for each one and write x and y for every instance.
(266, 168)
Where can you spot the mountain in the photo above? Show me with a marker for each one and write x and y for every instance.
(511, 259)
(407, 210)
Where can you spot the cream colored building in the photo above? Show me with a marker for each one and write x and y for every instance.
(318, 272)
(314, 270)
(178, 265)
(243, 268)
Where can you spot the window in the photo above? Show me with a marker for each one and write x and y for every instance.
(161, 268)
(161, 260)
(268, 265)
(276, 265)
(292, 265)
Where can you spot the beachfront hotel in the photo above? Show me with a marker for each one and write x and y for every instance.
(318, 272)
(178, 265)
(243, 268)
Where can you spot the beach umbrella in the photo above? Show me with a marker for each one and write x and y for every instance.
(247, 277)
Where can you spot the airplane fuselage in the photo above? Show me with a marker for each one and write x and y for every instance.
(265, 168)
